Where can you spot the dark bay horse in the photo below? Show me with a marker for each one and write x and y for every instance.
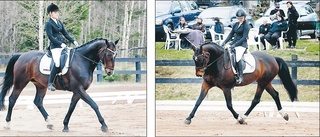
(25, 67)
(212, 63)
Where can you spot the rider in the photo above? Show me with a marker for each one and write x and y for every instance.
(55, 29)
(240, 32)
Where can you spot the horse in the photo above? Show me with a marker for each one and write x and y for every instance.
(23, 68)
(213, 64)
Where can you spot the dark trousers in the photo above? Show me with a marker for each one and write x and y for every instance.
(292, 35)
(261, 40)
(272, 38)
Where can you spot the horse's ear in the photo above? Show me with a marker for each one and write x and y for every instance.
(107, 42)
(115, 43)
(194, 48)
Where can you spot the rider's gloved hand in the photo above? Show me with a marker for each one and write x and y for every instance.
(75, 43)
(63, 45)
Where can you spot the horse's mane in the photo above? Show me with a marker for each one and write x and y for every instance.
(211, 46)
(90, 42)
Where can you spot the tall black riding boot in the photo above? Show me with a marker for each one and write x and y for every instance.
(52, 76)
(240, 72)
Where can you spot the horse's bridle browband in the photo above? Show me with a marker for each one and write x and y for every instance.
(104, 54)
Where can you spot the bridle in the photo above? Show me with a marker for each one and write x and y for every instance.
(205, 65)
(104, 52)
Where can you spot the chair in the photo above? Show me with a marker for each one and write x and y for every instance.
(227, 31)
(214, 34)
(280, 40)
(251, 41)
(169, 39)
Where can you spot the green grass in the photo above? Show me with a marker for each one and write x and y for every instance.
(307, 50)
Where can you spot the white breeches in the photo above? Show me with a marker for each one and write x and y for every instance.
(56, 53)
(239, 52)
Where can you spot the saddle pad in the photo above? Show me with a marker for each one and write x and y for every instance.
(250, 63)
(45, 63)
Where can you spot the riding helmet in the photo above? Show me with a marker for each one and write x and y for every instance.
(240, 13)
(52, 7)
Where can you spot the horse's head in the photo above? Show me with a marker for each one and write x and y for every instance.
(203, 56)
(107, 55)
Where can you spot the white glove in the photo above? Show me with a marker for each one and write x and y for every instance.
(63, 45)
(76, 43)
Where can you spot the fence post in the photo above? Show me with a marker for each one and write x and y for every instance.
(138, 69)
(99, 75)
(294, 70)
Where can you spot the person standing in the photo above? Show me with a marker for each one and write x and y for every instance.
(277, 10)
(263, 30)
(240, 32)
(55, 30)
(293, 16)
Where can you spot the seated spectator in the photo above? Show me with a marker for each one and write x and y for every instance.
(263, 30)
(182, 24)
(275, 31)
(199, 25)
(277, 10)
(218, 28)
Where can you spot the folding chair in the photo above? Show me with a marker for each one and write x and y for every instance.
(251, 41)
(213, 36)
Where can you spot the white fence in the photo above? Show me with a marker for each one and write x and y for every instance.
(129, 96)
(268, 108)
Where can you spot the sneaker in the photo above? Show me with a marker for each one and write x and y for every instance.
(288, 47)
(274, 47)
(293, 47)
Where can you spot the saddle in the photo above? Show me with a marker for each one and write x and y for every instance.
(46, 62)
(247, 60)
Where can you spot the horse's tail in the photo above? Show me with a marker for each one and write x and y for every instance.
(8, 79)
(286, 79)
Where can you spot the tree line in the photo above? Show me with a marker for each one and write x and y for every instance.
(22, 24)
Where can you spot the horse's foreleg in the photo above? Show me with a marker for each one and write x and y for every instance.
(38, 101)
(204, 90)
(228, 98)
(74, 100)
(86, 98)
(275, 95)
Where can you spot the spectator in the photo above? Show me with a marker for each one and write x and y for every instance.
(263, 30)
(239, 32)
(275, 31)
(264, 3)
(199, 25)
(293, 16)
(182, 24)
(277, 10)
(218, 27)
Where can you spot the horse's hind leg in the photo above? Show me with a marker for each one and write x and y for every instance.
(38, 101)
(275, 95)
(12, 101)
(74, 100)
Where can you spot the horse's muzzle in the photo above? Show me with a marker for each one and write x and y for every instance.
(109, 71)
(200, 72)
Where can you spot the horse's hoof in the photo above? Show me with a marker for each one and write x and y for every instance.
(104, 129)
(50, 126)
(242, 122)
(65, 130)
(187, 122)
(286, 116)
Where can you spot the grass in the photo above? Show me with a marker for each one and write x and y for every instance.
(307, 50)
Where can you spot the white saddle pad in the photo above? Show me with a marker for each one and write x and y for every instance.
(46, 61)
(250, 63)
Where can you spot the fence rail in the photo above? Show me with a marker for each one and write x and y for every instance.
(294, 64)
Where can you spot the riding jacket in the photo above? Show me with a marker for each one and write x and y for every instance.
(54, 32)
(240, 34)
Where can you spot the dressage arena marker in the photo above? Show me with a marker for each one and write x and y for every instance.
(268, 108)
(129, 96)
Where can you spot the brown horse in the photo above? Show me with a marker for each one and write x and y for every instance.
(214, 66)
(25, 67)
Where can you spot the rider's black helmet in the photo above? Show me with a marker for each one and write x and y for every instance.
(240, 13)
(52, 7)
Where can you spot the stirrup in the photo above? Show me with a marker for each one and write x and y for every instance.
(51, 87)
(239, 80)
